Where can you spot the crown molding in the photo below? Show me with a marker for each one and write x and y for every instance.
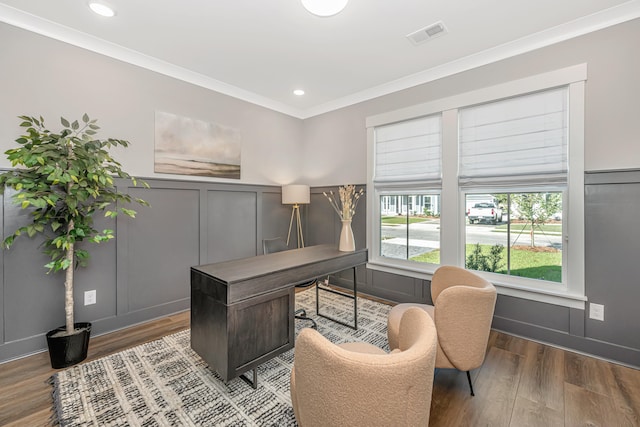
(36, 24)
(597, 21)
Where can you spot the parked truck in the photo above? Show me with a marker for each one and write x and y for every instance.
(484, 212)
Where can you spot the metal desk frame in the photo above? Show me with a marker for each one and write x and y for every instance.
(354, 297)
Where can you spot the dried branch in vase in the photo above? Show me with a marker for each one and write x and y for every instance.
(349, 198)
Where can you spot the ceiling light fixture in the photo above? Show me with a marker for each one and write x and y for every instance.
(102, 9)
(324, 7)
(298, 92)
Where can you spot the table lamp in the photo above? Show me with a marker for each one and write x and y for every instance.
(296, 195)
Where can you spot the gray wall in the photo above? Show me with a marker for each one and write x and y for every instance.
(144, 273)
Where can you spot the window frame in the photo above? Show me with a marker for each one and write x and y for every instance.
(571, 292)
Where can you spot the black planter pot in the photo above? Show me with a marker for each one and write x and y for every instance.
(68, 350)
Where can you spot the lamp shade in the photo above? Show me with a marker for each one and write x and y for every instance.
(295, 194)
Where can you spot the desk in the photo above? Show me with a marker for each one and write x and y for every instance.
(242, 310)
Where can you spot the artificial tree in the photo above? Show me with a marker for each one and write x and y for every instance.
(63, 179)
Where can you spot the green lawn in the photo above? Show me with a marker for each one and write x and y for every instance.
(401, 219)
(524, 263)
(526, 228)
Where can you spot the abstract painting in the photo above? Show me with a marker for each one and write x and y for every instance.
(188, 146)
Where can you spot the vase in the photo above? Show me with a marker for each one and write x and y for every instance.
(347, 242)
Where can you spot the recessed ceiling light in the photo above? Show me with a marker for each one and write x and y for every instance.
(298, 92)
(324, 7)
(102, 9)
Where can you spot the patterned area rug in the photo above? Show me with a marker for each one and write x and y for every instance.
(165, 383)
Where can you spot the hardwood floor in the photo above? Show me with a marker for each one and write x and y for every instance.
(521, 383)
(25, 394)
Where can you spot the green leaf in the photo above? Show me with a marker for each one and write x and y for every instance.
(62, 176)
(8, 242)
(129, 212)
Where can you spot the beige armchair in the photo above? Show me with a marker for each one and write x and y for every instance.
(360, 384)
(463, 309)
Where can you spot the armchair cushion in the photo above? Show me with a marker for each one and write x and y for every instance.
(462, 312)
(354, 384)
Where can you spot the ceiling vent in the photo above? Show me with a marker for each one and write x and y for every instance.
(427, 33)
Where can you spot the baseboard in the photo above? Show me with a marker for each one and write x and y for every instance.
(25, 347)
(588, 346)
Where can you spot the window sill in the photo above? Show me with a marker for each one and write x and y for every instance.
(547, 296)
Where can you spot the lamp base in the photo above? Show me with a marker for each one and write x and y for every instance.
(295, 212)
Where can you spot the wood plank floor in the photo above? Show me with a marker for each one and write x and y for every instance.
(521, 383)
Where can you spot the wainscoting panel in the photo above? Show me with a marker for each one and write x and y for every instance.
(612, 204)
(163, 243)
(321, 221)
(33, 301)
(533, 312)
(232, 220)
(397, 288)
(144, 273)
(276, 217)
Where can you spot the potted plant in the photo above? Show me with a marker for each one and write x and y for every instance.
(63, 179)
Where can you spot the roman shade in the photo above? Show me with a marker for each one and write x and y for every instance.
(409, 151)
(517, 140)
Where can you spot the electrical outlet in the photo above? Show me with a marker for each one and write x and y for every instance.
(90, 297)
(596, 311)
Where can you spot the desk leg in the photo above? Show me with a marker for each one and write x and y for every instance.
(354, 297)
(253, 383)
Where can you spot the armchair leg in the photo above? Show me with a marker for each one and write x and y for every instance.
(470, 385)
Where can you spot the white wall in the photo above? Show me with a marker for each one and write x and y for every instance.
(335, 142)
(42, 76)
(46, 77)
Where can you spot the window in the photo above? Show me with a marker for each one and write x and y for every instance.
(520, 142)
(493, 181)
(407, 184)
(410, 227)
(518, 234)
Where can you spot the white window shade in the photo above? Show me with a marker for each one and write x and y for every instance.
(409, 151)
(515, 140)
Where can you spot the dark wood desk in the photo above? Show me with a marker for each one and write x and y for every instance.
(242, 310)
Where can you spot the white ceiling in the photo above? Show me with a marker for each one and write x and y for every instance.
(261, 50)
